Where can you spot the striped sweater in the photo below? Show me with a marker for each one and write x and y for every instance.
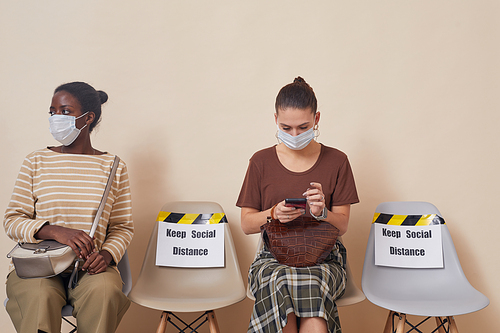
(65, 190)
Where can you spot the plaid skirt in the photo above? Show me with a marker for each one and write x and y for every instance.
(307, 291)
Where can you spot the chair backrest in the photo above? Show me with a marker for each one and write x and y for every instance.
(419, 291)
(189, 289)
(352, 294)
(125, 273)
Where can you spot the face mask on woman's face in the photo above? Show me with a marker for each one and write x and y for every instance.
(296, 142)
(63, 128)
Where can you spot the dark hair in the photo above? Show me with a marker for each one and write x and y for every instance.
(90, 99)
(297, 95)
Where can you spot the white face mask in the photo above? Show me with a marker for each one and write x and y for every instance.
(296, 142)
(63, 128)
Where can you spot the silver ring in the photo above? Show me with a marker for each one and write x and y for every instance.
(288, 216)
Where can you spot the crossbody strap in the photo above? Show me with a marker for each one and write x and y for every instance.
(104, 196)
(73, 280)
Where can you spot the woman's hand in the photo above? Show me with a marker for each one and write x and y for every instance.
(315, 198)
(97, 262)
(286, 214)
(81, 243)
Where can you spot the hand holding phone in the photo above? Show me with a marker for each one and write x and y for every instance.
(289, 210)
(296, 202)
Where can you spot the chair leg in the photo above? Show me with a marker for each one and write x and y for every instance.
(453, 324)
(439, 322)
(400, 325)
(162, 326)
(388, 323)
(212, 322)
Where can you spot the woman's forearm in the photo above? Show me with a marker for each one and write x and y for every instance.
(252, 219)
(339, 218)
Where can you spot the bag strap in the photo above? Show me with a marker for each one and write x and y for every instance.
(104, 196)
(73, 279)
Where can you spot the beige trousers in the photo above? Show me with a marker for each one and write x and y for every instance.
(98, 302)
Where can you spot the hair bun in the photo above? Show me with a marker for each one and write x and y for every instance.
(102, 96)
(299, 79)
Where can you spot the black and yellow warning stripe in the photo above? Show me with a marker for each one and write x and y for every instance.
(408, 220)
(182, 218)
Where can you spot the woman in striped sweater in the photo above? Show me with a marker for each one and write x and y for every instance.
(56, 196)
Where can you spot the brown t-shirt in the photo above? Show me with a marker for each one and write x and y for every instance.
(268, 182)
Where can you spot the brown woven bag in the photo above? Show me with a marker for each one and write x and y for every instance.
(300, 243)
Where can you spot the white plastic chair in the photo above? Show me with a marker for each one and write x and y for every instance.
(352, 294)
(430, 292)
(174, 289)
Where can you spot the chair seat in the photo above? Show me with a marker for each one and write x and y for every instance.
(352, 294)
(433, 304)
(199, 298)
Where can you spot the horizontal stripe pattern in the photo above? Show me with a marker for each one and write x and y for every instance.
(65, 190)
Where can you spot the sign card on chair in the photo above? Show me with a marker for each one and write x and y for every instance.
(190, 240)
(408, 241)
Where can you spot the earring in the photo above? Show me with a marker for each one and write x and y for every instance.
(316, 131)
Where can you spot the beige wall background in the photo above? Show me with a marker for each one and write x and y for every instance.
(408, 89)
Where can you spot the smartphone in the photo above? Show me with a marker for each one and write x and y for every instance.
(298, 203)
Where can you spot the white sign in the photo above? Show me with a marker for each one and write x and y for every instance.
(190, 245)
(408, 246)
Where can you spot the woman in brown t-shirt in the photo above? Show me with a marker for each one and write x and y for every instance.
(297, 167)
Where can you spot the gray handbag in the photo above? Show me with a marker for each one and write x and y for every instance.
(49, 257)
